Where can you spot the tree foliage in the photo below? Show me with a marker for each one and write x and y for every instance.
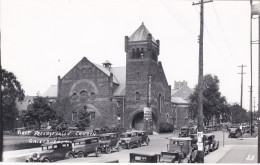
(213, 103)
(83, 119)
(38, 112)
(238, 114)
(11, 91)
(63, 108)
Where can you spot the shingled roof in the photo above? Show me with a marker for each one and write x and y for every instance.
(140, 34)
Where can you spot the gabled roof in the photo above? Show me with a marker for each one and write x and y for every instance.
(51, 91)
(107, 72)
(178, 100)
(140, 34)
(120, 74)
(184, 92)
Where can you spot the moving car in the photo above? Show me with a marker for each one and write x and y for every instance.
(234, 133)
(110, 141)
(84, 146)
(53, 152)
(130, 139)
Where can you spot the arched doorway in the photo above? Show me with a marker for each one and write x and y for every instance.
(138, 121)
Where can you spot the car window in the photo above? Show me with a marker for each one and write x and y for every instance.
(129, 135)
(55, 146)
(64, 145)
(122, 136)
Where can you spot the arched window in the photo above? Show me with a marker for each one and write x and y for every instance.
(137, 96)
(83, 93)
(83, 70)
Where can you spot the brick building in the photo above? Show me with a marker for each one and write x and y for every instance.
(118, 95)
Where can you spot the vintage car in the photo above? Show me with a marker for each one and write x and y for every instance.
(53, 152)
(84, 146)
(234, 133)
(109, 141)
(194, 141)
(184, 132)
(130, 139)
(143, 135)
(211, 142)
(178, 150)
(192, 130)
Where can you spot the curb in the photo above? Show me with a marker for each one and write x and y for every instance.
(217, 155)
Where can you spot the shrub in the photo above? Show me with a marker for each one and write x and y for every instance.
(165, 127)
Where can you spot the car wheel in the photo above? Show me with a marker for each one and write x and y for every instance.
(108, 149)
(70, 156)
(81, 155)
(139, 144)
(98, 152)
(129, 146)
(46, 160)
(147, 141)
(119, 148)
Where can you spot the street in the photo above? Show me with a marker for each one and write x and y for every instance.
(234, 151)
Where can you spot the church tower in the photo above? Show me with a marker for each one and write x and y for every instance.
(142, 52)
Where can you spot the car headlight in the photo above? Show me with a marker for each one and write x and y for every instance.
(38, 156)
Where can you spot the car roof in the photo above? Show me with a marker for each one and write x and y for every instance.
(209, 134)
(180, 138)
(57, 142)
(83, 139)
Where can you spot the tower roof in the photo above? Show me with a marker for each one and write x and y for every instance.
(140, 34)
(106, 62)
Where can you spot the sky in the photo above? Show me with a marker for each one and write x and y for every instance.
(42, 39)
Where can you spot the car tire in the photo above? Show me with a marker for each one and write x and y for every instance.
(98, 152)
(147, 141)
(139, 144)
(81, 155)
(46, 160)
(129, 146)
(70, 156)
(108, 149)
(119, 148)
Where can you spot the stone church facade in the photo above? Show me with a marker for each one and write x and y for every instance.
(118, 95)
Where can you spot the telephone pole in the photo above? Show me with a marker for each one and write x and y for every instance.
(200, 81)
(242, 75)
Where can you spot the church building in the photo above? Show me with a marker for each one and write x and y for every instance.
(119, 95)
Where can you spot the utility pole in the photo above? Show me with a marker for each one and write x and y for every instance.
(251, 69)
(242, 75)
(200, 83)
(254, 109)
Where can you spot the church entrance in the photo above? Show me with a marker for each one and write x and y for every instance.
(138, 122)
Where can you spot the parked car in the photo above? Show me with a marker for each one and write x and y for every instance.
(130, 139)
(234, 133)
(211, 142)
(53, 152)
(109, 141)
(184, 132)
(84, 146)
(178, 150)
(143, 135)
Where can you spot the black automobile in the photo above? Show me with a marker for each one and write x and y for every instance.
(84, 146)
(143, 136)
(234, 133)
(184, 132)
(109, 141)
(52, 152)
(211, 142)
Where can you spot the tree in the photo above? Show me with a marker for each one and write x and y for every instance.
(11, 91)
(38, 112)
(237, 114)
(213, 103)
(63, 108)
(83, 119)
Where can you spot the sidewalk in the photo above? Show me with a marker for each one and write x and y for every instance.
(217, 155)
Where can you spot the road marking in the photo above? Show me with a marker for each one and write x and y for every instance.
(250, 157)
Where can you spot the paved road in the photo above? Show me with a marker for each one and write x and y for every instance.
(234, 151)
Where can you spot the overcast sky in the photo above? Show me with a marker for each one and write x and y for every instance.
(42, 39)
